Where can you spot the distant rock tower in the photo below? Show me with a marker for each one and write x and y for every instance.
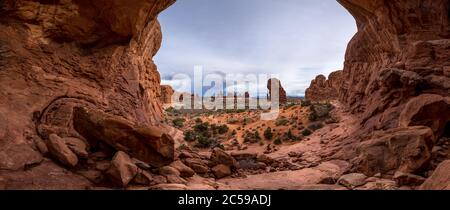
(166, 94)
(281, 92)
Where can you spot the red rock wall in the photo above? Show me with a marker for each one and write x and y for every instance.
(322, 89)
(401, 51)
(166, 94)
(57, 55)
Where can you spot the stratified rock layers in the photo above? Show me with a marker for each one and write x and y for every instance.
(322, 89)
(396, 75)
(59, 55)
(401, 51)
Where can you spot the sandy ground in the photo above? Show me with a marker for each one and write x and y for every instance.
(313, 147)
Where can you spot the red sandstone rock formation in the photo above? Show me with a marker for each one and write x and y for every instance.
(396, 75)
(322, 89)
(281, 92)
(56, 56)
(166, 94)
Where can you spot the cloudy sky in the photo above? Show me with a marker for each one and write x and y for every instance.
(296, 39)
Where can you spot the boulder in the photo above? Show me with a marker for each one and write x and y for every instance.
(379, 184)
(265, 159)
(221, 171)
(175, 179)
(143, 178)
(218, 156)
(78, 146)
(427, 110)
(167, 170)
(352, 180)
(440, 179)
(198, 165)
(406, 149)
(147, 144)
(184, 170)
(122, 169)
(58, 149)
(405, 179)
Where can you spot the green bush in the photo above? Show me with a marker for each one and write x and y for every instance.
(278, 141)
(257, 136)
(189, 136)
(268, 133)
(233, 121)
(281, 122)
(306, 103)
(306, 132)
(201, 127)
(178, 122)
(222, 129)
(290, 135)
(203, 142)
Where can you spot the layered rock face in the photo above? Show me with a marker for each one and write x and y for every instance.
(401, 51)
(166, 94)
(56, 56)
(322, 89)
(396, 81)
(280, 94)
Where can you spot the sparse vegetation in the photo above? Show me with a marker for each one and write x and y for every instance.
(281, 122)
(278, 141)
(290, 135)
(268, 133)
(306, 132)
(233, 121)
(178, 122)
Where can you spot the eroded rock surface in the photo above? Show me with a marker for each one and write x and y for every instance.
(58, 55)
(322, 89)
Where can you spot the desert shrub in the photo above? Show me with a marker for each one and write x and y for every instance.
(198, 120)
(178, 122)
(222, 129)
(203, 142)
(233, 133)
(290, 135)
(281, 122)
(278, 141)
(315, 126)
(312, 116)
(268, 133)
(306, 132)
(201, 127)
(306, 103)
(257, 136)
(261, 143)
(182, 147)
(246, 120)
(233, 121)
(189, 136)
